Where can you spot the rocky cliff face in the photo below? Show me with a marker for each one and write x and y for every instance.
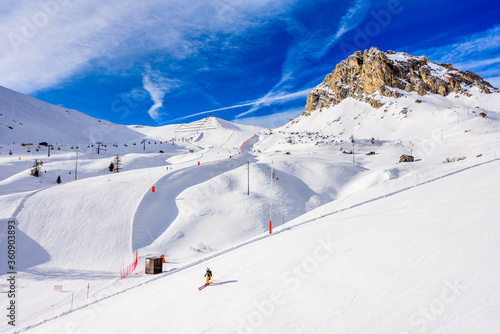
(366, 75)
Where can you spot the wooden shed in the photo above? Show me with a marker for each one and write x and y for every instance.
(154, 265)
(406, 158)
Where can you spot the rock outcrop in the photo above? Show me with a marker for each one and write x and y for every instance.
(369, 74)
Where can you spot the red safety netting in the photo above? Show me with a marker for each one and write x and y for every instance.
(130, 268)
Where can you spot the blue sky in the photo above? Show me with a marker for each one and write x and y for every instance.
(161, 62)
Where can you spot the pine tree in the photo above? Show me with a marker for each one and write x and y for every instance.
(117, 161)
(58, 179)
(35, 170)
(111, 166)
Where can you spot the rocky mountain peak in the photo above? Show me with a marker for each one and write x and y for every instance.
(367, 75)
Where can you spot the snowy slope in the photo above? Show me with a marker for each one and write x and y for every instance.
(210, 203)
(26, 119)
(390, 266)
(394, 253)
(403, 118)
(199, 203)
(84, 230)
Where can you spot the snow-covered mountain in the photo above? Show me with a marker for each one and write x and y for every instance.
(368, 75)
(359, 243)
(394, 96)
(24, 118)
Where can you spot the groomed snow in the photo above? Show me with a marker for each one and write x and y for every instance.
(389, 266)
(360, 243)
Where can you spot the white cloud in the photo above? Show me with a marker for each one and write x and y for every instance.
(476, 52)
(273, 98)
(270, 100)
(494, 81)
(469, 47)
(157, 86)
(310, 47)
(45, 42)
(351, 19)
(271, 121)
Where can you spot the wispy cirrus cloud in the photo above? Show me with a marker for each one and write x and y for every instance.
(270, 100)
(350, 20)
(44, 43)
(273, 120)
(484, 42)
(477, 52)
(309, 47)
(157, 86)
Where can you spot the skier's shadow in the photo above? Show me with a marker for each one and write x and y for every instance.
(225, 282)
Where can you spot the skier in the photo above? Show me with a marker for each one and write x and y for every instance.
(208, 275)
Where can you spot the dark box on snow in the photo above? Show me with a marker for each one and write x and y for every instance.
(154, 265)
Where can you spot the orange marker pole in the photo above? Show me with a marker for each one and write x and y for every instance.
(270, 227)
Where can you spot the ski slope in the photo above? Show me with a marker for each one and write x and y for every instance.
(24, 118)
(390, 266)
(360, 243)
